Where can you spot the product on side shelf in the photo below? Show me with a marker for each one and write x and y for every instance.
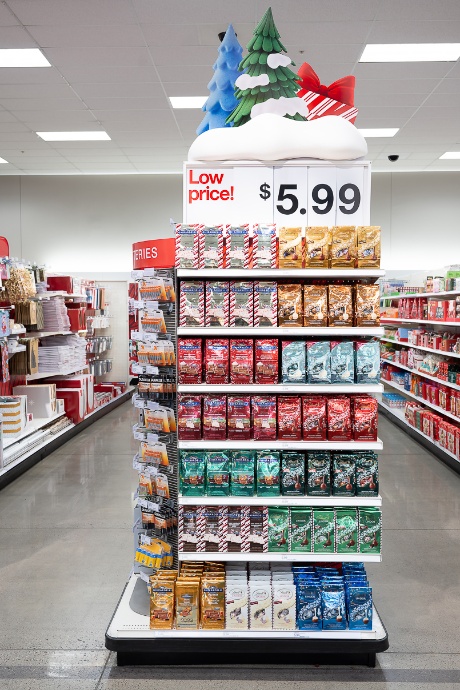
(237, 246)
(342, 361)
(189, 528)
(314, 418)
(217, 308)
(278, 529)
(214, 417)
(343, 475)
(367, 476)
(211, 247)
(210, 519)
(187, 246)
(284, 605)
(162, 604)
(212, 604)
(264, 246)
(239, 417)
(191, 301)
(317, 247)
(340, 300)
(192, 473)
(264, 417)
(241, 304)
(268, 473)
(216, 360)
(367, 305)
(365, 416)
(236, 605)
(292, 474)
(289, 418)
(323, 530)
(189, 360)
(346, 530)
(290, 247)
(257, 529)
(300, 533)
(368, 237)
(293, 361)
(260, 606)
(290, 306)
(319, 361)
(236, 516)
(265, 304)
(370, 526)
(343, 247)
(189, 415)
(318, 473)
(241, 361)
(315, 305)
(309, 616)
(217, 473)
(339, 427)
(187, 604)
(242, 471)
(266, 361)
(367, 361)
(333, 607)
(359, 608)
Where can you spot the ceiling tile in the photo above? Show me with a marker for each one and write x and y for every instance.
(184, 55)
(181, 73)
(332, 10)
(93, 74)
(76, 159)
(377, 87)
(399, 70)
(307, 33)
(327, 54)
(179, 12)
(420, 9)
(208, 33)
(24, 91)
(52, 104)
(128, 103)
(150, 117)
(448, 86)
(388, 100)
(88, 36)
(173, 34)
(29, 75)
(43, 12)
(118, 91)
(443, 100)
(69, 151)
(99, 57)
(15, 37)
(413, 31)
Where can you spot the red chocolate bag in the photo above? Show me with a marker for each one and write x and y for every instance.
(266, 361)
(339, 419)
(241, 361)
(264, 417)
(189, 360)
(289, 418)
(314, 415)
(215, 417)
(189, 417)
(239, 417)
(365, 412)
(216, 360)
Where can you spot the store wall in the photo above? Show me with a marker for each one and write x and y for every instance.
(86, 224)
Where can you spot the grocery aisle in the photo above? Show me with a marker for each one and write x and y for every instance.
(65, 539)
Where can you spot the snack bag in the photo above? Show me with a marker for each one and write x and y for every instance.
(333, 607)
(318, 473)
(339, 419)
(241, 304)
(289, 418)
(342, 362)
(323, 530)
(188, 528)
(278, 529)
(268, 473)
(265, 304)
(290, 306)
(239, 417)
(367, 361)
(236, 605)
(284, 605)
(210, 517)
(367, 474)
(217, 304)
(317, 247)
(242, 473)
(309, 615)
(192, 473)
(211, 246)
(260, 606)
(367, 305)
(187, 246)
(315, 305)
(290, 248)
(343, 475)
(264, 417)
(214, 417)
(368, 246)
(191, 301)
(264, 246)
(189, 360)
(319, 361)
(292, 474)
(346, 530)
(293, 361)
(187, 604)
(237, 246)
(235, 529)
(241, 361)
(217, 473)
(365, 414)
(162, 605)
(314, 426)
(212, 604)
(370, 526)
(300, 533)
(258, 529)
(343, 247)
(266, 361)
(340, 305)
(216, 360)
(189, 417)
(360, 608)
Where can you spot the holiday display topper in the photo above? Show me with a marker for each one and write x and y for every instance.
(336, 99)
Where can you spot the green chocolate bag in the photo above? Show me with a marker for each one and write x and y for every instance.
(242, 468)
(370, 528)
(278, 529)
(318, 473)
(300, 534)
(323, 530)
(346, 530)
(192, 473)
(367, 474)
(292, 474)
(217, 473)
(268, 473)
(343, 474)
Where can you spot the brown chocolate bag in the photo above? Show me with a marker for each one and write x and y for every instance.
(290, 247)
(367, 305)
(343, 247)
(317, 247)
(315, 305)
(340, 305)
(368, 246)
(290, 306)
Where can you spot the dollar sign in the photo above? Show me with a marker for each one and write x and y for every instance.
(265, 192)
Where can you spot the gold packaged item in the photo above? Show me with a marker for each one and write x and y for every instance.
(343, 246)
(187, 602)
(315, 305)
(212, 603)
(317, 247)
(340, 305)
(290, 248)
(162, 605)
(368, 237)
(290, 307)
(367, 310)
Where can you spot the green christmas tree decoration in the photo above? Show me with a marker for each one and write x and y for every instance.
(268, 84)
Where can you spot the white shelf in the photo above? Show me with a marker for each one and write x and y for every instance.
(421, 373)
(127, 624)
(20, 348)
(423, 401)
(58, 293)
(281, 445)
(399, 414)
(386, 319)
(279, 332)
(254, 388)
(419, 347)
(33, 426)
(48, 374)
(47, 334)
(308, 501)
(449, 293)
(34, 449)
(273, 273)
(15, 334)
(277, 557)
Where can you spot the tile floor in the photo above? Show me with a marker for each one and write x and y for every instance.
(65, 551)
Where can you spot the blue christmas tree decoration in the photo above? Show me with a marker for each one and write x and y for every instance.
(221, 100)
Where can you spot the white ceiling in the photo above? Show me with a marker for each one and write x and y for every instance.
(115, 62)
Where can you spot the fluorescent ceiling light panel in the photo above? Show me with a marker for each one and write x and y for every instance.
(450, 155)
(22, 57)
(74, 136)
(2, 160)
(379, 132)
(411, 52)
(188, 101)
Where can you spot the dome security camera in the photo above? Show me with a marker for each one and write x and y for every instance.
(393, 158)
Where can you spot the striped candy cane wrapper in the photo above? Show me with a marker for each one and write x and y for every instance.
(182, 307)
(201, 245)
(265, 529)
(256, 304)
(200, 528)
(178, 244)
(180, 528)
(220, 245)
(273, 251)
(223, 526)
(232, 301)
(246, 245)
(245, 528)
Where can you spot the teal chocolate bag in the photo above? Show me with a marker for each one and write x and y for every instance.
(242, 471)
(217, 473)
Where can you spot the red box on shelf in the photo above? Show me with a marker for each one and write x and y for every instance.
(56, 283)
(74, 403)
(339, 419)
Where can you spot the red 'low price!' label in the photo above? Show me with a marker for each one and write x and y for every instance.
(209, 186)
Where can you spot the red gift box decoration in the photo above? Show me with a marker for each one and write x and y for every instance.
(336, 99)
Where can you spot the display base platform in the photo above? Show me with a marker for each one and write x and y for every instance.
(129, 635)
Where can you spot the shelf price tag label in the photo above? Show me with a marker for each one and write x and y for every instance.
(152, 438)
(136, 275)
(144, 577)
(151, 370)
(139, 436)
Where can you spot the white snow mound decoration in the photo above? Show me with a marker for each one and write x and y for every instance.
(271, 138)
(275, 60)
(245, 81)
(280, 106)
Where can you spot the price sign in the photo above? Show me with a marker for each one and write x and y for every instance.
(254, 200)
(290, 196)
(352, 200)
(321, 196)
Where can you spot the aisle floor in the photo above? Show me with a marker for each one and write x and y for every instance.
(66, 545)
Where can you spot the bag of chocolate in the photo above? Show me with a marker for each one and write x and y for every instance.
(237, 246)
(266, 360)
(192, 473)
(189, 360)
(187, 246)
(333, 607)
(318, 473)
(293, 361)
(191, 301)
(236, 608)
(217, 304)
(343, 246)
(292, 474)
(278, 529)
(264, 246)
(242, 473)
(315, 305)
(314, 418)
(289, 418)
(342, 361)
(343, 475)
(209, 518)
(188, 528)
(346, 530)
(217, 473)
(268, 473)
(370, 527)
(284, 605)
(367, 361)
(241, 304)
(239, 417)
(212, 604)
(290, 247)
(187, 604)
(258, 529)
(211, 246)
(241, 361)
(365, 416)
(235, 528)
(260, 605)
(340, 298)
(162, 605)
(319, 361)
(323, 530)
(339, 426)
(265, 304)
(189, 417)
(216, 360)
(317, 247)
(360, 608)
(290, 306)
(214, 417)
(300, 532)
(368, 246)
(264, 417)
(367, 474)
(367, 305)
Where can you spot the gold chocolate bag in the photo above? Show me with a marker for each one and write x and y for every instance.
(290, 248)
(290, 307)
(212, 603)
(317, 247)
(162, 605)
(367, 311)
(368, 246)
(315, 305)
(340, 305)
(187, 593)
(343, 247)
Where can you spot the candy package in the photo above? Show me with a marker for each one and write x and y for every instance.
(319, 361)
(289, 418)
(346, 530)
(300, 533)
(317, 247)
(309, 615)
(241, 361)
(266, 361)
(318, 473)
(236, 606)
(216, 360)
(162, 605)
(264, 417)
(314, 418)
(292, 474)
(339, 419)
(359, 608)
(323, 530)
(340, 305)
(342, 361)
(217, 473)
(242, 473)
(315, 305)
(237, 246)
(189, 417)
(217, 304)
(284, 605)
(264, 246)
(343, 475)
(239, 417)
(268, 473)
(235, 529)
(293, 361)
(343, 247)
(189, 360)
(192, 473)
(290, 305)
(210, 517)
(188, 527)
(211, 246)
(367, 361)
(214, 417)
(187, 604)
(260, 606)
(278, 529)
(191, 304)
(290, 247)
(187, 246)
(258, 529)
(241, 304)
(212, 603)
(333, 607)
(368, 246)
(367, 305)
(367, 474)
(265, 304)
(365, 415)
(370, 525)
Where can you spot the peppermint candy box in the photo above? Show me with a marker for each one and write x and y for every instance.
(241, 304)
(211, 241)
(265, 304)
(187, 246)
(237, 246)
